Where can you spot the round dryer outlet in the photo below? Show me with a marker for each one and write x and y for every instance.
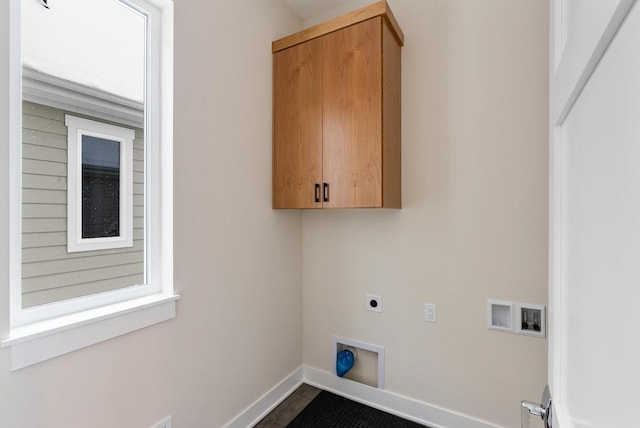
(374, 303)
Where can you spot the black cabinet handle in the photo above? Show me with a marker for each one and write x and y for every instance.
(317, 194)
(325, 192)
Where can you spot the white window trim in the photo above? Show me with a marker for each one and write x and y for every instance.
(43, 332)
(77, 128)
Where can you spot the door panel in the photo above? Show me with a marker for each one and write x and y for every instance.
(602, 230)
(297, 125)
(352, 86)
(583, 30)
(595, 222)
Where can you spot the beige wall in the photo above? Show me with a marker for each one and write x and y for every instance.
(474, 221)
(237, 262)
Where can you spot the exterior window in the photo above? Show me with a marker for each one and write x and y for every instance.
(100, 192)
(100, 187)
(90, 174)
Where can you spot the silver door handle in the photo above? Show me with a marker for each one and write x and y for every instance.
(542, 410)
(534, 409)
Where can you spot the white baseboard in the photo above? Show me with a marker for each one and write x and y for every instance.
(407, 408)
(258, 410)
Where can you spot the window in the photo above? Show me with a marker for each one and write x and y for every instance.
(100, 189)
(100, 185)
(90, 174)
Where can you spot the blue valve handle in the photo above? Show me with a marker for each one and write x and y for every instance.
(344, 362)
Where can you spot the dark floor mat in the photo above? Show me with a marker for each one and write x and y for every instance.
(328, 410)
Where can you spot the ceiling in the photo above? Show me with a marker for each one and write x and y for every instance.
(306, 9)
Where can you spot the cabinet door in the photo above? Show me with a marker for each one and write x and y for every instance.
(297, 125)
(352, 111)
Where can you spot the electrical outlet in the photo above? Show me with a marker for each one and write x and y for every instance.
(165, 423)
(430, 312)
(374, 303)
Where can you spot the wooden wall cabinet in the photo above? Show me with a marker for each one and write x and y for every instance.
(336, 113)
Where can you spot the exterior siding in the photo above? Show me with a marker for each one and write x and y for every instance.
(49, 273)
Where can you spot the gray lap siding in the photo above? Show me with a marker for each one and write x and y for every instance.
(49, 272)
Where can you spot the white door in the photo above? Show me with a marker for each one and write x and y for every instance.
(594, 307)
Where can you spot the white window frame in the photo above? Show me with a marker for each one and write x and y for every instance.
(42, 332)
(77, 128)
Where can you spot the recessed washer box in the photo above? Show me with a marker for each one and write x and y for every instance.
(375, 378)
(513, 317)
(500, 315)
(530, 319)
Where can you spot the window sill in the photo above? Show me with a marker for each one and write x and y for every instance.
(48, 339)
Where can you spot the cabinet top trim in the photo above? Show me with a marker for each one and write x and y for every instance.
(380, 8)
